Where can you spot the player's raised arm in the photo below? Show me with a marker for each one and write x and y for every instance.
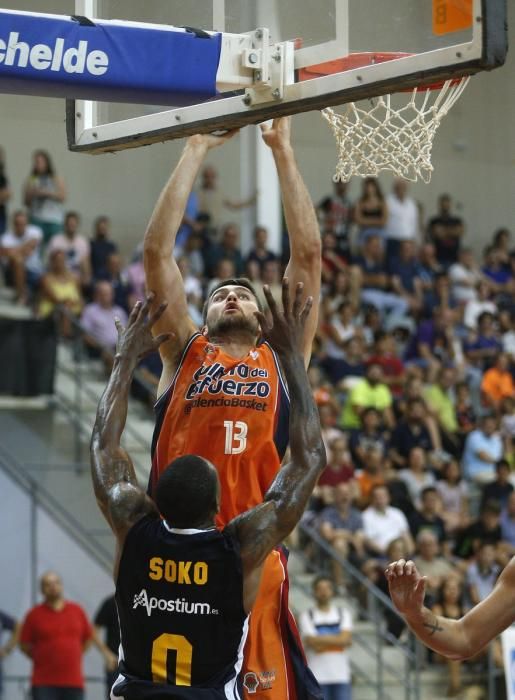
(456, 639)
(162, 274)
(301, 222)
(118, 494)
(262, 528)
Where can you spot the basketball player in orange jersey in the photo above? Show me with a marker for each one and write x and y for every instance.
(222, 395)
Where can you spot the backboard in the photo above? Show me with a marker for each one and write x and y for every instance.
(274, 51)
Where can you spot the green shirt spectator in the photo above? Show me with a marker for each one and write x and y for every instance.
(442, 405)
(369, 392)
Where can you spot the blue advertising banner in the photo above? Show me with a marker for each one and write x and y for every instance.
(57, 56)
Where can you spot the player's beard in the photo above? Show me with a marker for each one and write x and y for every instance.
(236, 324)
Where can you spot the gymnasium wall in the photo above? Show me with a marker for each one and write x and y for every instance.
(474, 156)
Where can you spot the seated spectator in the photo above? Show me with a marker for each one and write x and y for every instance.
(417, 475)
(508, 425)
(332, 261)
(367, 437)
(328, 418)
(500, 488)
(339, 468)
(342, 526)
(429, 269)
(75, 246)
(454, 495)
(497, 383)
(446, 231)
(427, 517)
(405, 272)
(507, 321)
(192, 290)
(501, 243)
(343, 360)
(508, 522)
(385, 354)
(334, 214)
(440, 401)
(322, 391)
(227, 249)
(431, 564)
(482, 346)
(59, 287)
(432, 345)
(382, 524)
(494, 269)
(272, 277)
(188, 225)
(194, 250)
(98, 321)
(370, 211)
(369, 392)
(466, 415)
(20, 252)
(486, 528)
(260, 253)
(224, 270)
(372, 324)
(483, 448)
(376, 286)
(450, 605)
(465, 276)
(101, 246)
(117, 278)
(372, 475)
(410, 432)
(475, 307)
(482, 573)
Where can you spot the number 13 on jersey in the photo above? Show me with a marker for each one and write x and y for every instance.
(235, 437)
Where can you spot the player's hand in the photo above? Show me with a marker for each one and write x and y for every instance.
(407, 586)
(286, 333)
(136, 341)
(277, 136)
(209, 141)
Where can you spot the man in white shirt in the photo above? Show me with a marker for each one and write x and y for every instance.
(326, 630)
(20, 252)
(403, 222)
(383, 523)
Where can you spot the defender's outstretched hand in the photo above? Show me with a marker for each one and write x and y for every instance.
(286, 332)
(136, 341)
(277, 135)
(407, 586)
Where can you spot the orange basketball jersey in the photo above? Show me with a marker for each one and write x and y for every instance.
(233, 412)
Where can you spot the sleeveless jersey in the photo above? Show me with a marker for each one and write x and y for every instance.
(233, 412)
(179, 595)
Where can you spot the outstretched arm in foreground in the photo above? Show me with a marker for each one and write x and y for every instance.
(456, 639)
(118, 494)
(259, 530)
(305, 263)
(162, 274)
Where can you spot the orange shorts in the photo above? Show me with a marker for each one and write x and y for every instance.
(274, 665)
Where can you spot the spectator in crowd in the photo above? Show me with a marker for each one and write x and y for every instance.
(465, 277)
(376, 283)
(432, 344)
(341, 525)
(370, 211)
(7, 624)
(213, 202)
(44, 194)
(326, 630)
(483, 345)
(98, 322)
(227, 249)
(451, 606)
(417, 475)
(367, 437)
(446, 232)
(482, 302)
(345, 366)
(224, 270)
(440, 400)
(54, 635)
(497, 383)
(508, 522)
(427, 517)
(328, 417)
(508, 427)
(271, 276)
(410, 432)
(466, 415)
(383, 523)
(322, 390)
(483, 448)
(339, 468)
(429, 269)
(403, 218)
(501, 243)
(384, 353)
(192, 289)
(332, 260)
(495, 270)
(259, 252)
(431, 564)
(373, 474)
(500, 488)
(59, 288)
(405, 275)
(5, 192)
(369, 392)
(486, 528)
(195, 249)
(20, 252)
(189, 223)
(334, 214)
(106, 623)
(340, 328)
(482, 573)
(75, 246)
(117, 278)
(135, 273)
(454, 495)
(101, 246)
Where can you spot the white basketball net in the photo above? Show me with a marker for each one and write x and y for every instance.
(382, 137)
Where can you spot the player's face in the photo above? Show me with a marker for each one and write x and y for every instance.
(232, 310)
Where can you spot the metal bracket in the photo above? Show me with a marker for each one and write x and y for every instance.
(272, 66)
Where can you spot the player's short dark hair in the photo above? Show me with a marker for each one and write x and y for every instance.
(186, 493)
(237, 282)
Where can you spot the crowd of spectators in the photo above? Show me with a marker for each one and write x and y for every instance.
(413, 364)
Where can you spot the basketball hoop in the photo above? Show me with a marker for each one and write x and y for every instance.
(383, 136)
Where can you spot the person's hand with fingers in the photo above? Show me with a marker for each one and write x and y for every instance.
(285, 333)
(407, 586)
(209, 141)
(277, 136)
(136, 341)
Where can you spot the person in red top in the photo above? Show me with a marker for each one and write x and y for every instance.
(385, 355)
(55, 634)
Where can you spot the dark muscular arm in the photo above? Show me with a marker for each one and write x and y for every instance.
(262, 528)
(118, 494)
